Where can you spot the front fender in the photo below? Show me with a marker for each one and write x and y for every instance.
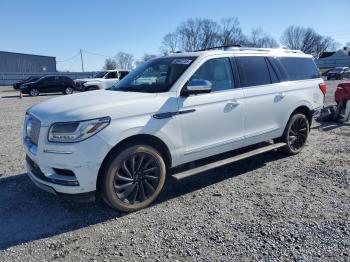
(122, 129)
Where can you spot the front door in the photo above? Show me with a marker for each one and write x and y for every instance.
(212, 123)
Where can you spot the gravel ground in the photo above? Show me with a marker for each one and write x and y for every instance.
(269, 207)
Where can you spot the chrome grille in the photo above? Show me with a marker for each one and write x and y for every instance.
(35, 130)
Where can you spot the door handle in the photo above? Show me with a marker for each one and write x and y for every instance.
(234, 102)
(281, 95)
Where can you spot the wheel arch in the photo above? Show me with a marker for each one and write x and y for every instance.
(304, 110)
(145, 139)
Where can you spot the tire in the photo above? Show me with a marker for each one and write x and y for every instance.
(68, 90)
(298, 125)
(129, 188)
(34, 92)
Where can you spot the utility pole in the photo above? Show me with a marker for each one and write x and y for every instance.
(82, 61)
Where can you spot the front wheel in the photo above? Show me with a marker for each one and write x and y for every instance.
(134, 178)
(34, 92)
(68, 90)
(295, 134)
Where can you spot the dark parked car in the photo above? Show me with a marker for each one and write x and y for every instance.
(338, 73)
(49, 84)
(17, 85)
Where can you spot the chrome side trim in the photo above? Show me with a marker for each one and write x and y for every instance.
(49, 151)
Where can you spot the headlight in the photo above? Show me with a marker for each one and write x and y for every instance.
(29, 128)
(69, 132)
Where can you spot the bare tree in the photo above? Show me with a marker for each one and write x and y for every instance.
(195, 34)
(144, 59)
(147, 57)
(261, 39)
(306, 40)
(231, 32)
(124, 60)
(335, 47)
(110, 64)
(347, 44)
(171, 42)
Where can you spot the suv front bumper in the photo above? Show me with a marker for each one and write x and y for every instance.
(65, 168)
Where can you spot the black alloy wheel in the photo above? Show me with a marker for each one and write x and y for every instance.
(137, 178)
(133, 178)
(298, 133)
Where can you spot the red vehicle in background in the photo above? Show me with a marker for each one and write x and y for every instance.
(342, 97)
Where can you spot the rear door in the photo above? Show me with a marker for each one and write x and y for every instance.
(263, 97)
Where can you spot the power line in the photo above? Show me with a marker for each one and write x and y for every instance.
(92, 53)
(68, 59)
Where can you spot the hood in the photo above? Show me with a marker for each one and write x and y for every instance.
(95, 104)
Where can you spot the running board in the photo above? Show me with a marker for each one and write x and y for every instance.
(226, 161)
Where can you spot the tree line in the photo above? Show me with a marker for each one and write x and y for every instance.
(198, 34)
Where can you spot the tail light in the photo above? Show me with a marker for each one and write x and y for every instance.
(323, 88)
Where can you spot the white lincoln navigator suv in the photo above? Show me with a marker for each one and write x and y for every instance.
(172, 110)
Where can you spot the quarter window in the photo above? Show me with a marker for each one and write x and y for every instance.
(218, 71)
(253, 71)
(299, 68)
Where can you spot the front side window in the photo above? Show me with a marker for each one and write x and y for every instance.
(47, 79)
(100, 74)
(154, 76)
(218, 71)
(253, 71)
(112, 75)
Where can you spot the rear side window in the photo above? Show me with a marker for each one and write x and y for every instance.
(299, 68)
(253, 71)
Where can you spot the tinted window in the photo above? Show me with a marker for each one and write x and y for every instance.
(273, 74)
(299, 68)
(47, 79)
(218, 71)
(253, 71)
(112, 75)
(122, 74)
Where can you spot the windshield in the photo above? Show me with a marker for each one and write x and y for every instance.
(154, 76)
(100, 74)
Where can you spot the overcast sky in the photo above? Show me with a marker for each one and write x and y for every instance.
(62, 28)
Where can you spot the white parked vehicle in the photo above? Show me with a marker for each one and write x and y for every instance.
(101, 80)
(122, 142)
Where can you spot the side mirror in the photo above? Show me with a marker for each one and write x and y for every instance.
(197, 86)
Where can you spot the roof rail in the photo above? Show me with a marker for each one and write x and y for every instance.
(270, 50)
(240, 48)
(216, 47)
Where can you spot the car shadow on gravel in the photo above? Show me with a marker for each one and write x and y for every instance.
(27, 213)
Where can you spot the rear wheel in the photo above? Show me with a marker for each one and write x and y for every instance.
(134, 178)
(68, 90)
(34, 92)
(295, 134)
